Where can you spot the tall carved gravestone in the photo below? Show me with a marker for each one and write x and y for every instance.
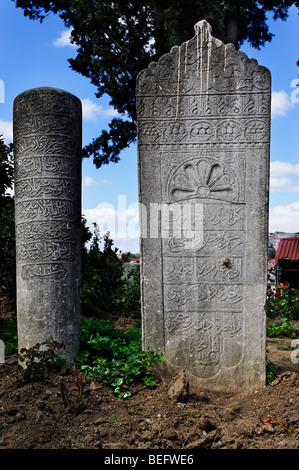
(203, 145)
(47, 151)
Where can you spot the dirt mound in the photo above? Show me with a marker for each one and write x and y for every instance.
(42, 415)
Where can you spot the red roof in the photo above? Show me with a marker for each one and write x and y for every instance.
(288, 248)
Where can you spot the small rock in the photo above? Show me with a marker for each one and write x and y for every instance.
(20, 416)
(269, 428)
(148, 435)
(204, 442)
(288, 376)
(94, 386)
(179, 388)
(170, 435)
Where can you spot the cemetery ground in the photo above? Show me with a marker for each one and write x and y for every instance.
(40, 414)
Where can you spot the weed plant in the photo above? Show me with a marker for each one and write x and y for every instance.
(39, 360)
(270, 371)
(115, 357)
(280, 327)
(107, 354)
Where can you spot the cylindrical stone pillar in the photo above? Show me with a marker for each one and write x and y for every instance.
(47, 151)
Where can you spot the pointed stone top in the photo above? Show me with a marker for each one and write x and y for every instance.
(203, 64)
(202, 25)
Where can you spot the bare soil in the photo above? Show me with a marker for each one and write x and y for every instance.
(40, 415)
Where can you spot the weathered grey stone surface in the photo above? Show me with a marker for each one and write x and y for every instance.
(47, 150)
(203, 149)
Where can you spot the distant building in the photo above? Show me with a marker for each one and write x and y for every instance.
(274, 238)
(287, 261)
(271, 264)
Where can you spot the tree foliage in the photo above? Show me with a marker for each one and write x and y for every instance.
(101, 275)
(6, 167)
(118, 39)
(7, 222)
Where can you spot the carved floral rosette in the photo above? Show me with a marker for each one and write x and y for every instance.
(203, 150)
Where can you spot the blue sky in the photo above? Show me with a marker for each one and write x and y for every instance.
(34, 55)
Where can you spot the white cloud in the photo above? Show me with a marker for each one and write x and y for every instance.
(278, 168)
(284, 218)
(6, 130)
(88, 181)
(106, 182)
(279, 181)
(283, 185)
(111, 112)
(122, 224)
(64, 39)
(92, 111)
(10, 191)
(111, 219)
(281, 103)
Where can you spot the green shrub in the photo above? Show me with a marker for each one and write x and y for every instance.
(283, 302)
(129, 294)
(101, 274)
(281, 327)
(115, 357)
(40, 360)
(270, 371)
(7, 224)
(9, 335)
